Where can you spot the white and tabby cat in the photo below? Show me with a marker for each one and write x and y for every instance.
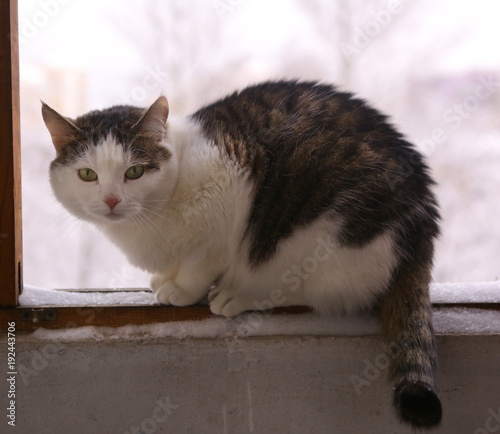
(246, 192)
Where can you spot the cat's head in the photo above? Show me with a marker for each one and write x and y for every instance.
(110, 163)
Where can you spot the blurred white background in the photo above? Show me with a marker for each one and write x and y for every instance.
(434, 67)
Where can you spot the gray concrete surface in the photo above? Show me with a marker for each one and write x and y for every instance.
(275, 384)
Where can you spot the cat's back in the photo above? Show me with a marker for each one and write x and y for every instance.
(306, 128)
(314, 151)
(274, 111)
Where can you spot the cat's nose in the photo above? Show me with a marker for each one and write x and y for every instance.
(112, 201)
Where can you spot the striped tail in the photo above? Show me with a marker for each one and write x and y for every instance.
(406, 316)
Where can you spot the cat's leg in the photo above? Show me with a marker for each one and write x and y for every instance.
(185, 286)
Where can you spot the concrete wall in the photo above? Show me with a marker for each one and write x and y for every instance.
(273, 384)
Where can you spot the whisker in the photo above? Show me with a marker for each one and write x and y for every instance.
(153, 222)
(141, 225)
(76, 223)
(151, 210)
(152, 231)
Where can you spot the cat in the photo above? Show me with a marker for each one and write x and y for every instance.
(284, 193)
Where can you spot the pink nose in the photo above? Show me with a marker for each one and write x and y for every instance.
(112, 201)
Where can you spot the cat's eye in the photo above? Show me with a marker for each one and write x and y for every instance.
(134, 172)
(87, 174)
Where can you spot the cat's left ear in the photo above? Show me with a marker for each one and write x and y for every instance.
(62, 129)
(153, 121)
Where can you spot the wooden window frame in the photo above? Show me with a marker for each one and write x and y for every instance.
(10, 159)
(29, 318)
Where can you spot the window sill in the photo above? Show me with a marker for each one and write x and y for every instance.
(260, 372)
(458, 309)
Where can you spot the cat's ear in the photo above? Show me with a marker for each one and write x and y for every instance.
(62, 129)
(153, 121)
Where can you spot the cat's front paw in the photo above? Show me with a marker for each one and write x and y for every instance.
(168, 292)
(227, 303)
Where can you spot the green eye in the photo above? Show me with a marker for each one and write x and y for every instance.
(134, 172)
(87, 175)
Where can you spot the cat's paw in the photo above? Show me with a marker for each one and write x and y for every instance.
(168, 292)
(227, 303)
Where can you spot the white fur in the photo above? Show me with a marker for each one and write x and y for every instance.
(185, 225)
(309, 268)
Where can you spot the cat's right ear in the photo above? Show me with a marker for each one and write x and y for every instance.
(153, 121)
(62, 129)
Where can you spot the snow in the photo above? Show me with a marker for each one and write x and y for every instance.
(447, 320)
(33, 296)
(244, 325)
(485, 292)
(479, 292)
(256, 324)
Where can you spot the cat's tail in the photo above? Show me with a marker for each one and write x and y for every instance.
(406, 316)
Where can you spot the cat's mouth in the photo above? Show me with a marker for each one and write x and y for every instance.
(113, 217)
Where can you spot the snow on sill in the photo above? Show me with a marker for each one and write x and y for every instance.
(446, 321)
(256, 324)
(484, 292)
(33, 296)
(470, 292)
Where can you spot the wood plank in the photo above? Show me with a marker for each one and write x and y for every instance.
(10, 158)
(112, 316)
